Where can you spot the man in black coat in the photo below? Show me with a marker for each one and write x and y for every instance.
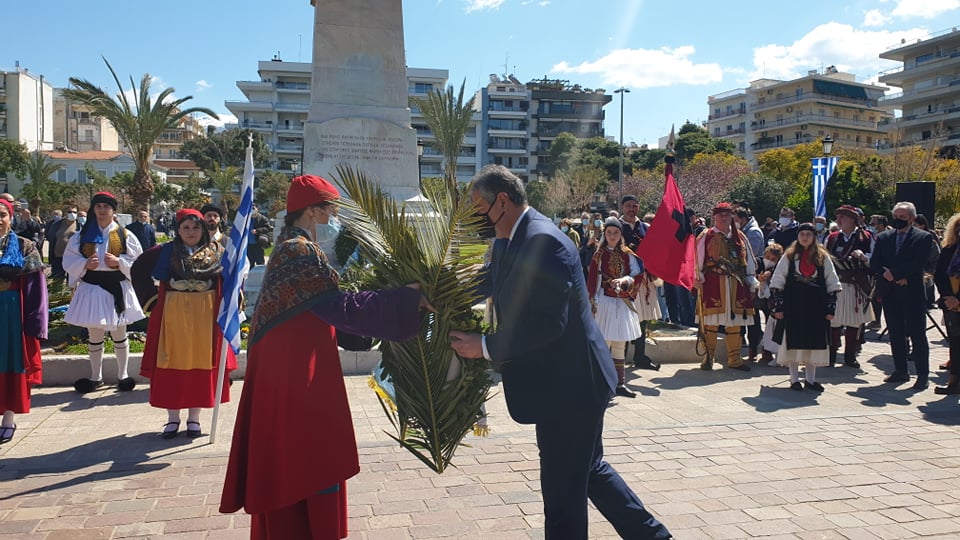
(900, 257)
(143, 230)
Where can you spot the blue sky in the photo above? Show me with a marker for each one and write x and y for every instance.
(672, 55)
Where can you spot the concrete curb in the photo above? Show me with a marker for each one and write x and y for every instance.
(63, 370)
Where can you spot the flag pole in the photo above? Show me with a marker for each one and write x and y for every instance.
(236, 272)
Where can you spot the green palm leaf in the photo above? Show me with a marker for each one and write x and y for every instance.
(438, 395)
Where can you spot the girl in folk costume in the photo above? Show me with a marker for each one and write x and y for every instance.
(183, 339)
(769, 347)
(23, 321)
(98, 261)
(947, 279)
(804, 287)
(293, 445)
(850, 249)
(613, 280)
(726, 278)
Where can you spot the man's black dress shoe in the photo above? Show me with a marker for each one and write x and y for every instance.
(948, 390)
(851, 363)
(796, 386)
(623, 392)
(741, 367)
(126, 385)
(897, 377)
(815, 386)
(920, 384)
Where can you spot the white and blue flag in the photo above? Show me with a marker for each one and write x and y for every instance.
(235, 264)
(822, 171)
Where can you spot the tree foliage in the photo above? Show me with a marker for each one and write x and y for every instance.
(707, 178)
(225, 180)
(272, 187)
(227, 148)
(13, 157)
(449, 119)
(693, 140)
(38, 170)
(765, 196)
(139, 123)
(572, 191)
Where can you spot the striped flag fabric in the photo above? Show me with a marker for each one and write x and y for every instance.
(823, 168)
(235, 264)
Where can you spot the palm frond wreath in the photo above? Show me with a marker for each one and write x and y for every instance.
(432, 397)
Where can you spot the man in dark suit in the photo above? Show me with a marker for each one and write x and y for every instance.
(143, 230)
(557, 370)
(900, 258)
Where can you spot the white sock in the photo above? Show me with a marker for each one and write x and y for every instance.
(8, 419)
(811, 374)
(794, 373)
(173, 415)
(193, 414)
(96, 360)
(121, 347)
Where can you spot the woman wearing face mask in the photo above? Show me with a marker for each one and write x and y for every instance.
(804, 287)
(23, 321)
(592, 235)
(183, 339)
(293, 445)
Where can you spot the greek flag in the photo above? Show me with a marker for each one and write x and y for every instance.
(235, 264)
(822, 171)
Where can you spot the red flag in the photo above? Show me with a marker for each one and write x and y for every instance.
(667, 250)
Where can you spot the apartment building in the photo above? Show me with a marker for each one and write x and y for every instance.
(781, 114)
(76, 129)
(26, 109)
(929, 100)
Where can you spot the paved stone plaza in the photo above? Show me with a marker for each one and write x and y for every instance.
(714, 454)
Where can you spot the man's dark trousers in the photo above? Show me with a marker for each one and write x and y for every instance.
(907, 317)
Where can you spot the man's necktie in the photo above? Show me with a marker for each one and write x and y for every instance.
(900, 237)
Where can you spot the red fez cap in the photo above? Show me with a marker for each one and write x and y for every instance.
(309, 190)
(722, 207)
(104, 197)
(186, 213)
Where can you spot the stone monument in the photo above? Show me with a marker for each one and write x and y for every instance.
(359, 114)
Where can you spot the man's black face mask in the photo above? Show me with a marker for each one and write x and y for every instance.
(487, 229)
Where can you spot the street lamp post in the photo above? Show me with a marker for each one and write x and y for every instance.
(621, 91)
(827, 145)
(420, 164)
(822, 170)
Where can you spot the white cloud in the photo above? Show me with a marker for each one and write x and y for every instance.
(479, 5)
(203, 85)
(831, 44)
(924, 9)
(647, 68)
(875, 17)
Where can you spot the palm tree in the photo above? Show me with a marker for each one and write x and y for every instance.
(138, 123)
(449, 119)
(224, 180)
(39, 169)
(432, 397)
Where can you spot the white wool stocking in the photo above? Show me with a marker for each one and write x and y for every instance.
(810, 374)
(794, 373)
(96, 353)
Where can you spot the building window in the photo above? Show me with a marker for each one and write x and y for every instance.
(81, 176)
(88, 135)
(62, 175)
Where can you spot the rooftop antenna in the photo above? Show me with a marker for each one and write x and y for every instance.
(300, 48)
(506, 61)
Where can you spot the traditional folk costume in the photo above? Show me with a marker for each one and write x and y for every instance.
(947, 279)
(103, 299)
(727, 268)
(184, 342)
(615, 310)
(853, 302)
(805, 293)
(23, 323)
(293, 445)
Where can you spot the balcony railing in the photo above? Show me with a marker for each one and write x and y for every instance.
(724, 114)
(942, 82)
(286, 85)
(812, 119)
(767, 103)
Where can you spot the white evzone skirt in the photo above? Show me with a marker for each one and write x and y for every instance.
(92, 307)
(851, 311)
(616, 320)
(768, 344)
(802, 357)
(648, 309)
